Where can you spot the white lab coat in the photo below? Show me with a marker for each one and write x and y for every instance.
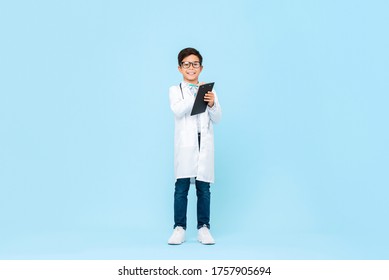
(189, 162)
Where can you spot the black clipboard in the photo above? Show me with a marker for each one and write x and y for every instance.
(200, 105)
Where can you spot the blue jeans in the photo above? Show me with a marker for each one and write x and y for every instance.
(181, 202)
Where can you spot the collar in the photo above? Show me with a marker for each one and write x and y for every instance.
(186, 84)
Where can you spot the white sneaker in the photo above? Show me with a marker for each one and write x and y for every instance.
(205, 237)
(177, 237)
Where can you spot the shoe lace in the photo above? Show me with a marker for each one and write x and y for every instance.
(204, 230)
(178, 230)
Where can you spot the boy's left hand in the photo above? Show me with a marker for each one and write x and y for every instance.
(210, 98)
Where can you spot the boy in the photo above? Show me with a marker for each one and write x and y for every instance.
(193, 147)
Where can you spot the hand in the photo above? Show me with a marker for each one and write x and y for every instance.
(210, 98)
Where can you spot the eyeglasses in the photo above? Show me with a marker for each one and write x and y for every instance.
(186, 64)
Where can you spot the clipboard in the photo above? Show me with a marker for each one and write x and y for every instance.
(200, 105)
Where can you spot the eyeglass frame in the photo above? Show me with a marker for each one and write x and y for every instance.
(189, 64)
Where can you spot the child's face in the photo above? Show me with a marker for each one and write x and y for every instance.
(192, 71)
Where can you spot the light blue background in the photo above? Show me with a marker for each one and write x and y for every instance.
(86, 133)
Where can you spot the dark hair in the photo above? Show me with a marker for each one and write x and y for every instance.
(187, 52)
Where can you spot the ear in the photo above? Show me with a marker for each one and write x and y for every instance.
(179, 69)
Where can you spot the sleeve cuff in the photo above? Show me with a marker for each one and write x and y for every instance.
(213, 108)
